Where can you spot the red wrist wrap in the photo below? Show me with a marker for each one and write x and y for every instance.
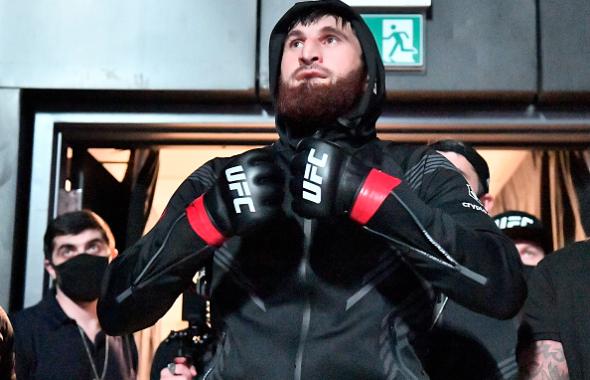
(200, 223)
(373, 192)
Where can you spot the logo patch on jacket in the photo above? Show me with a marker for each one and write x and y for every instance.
(478, 206)
(472, 194)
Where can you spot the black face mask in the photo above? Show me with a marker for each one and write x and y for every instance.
(80, 277)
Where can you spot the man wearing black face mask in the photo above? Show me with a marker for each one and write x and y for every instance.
(60, 337)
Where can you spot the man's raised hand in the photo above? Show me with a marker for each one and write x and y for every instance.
(247, 195)
(328, 181)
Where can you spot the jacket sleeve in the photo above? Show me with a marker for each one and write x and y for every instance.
(434, 211)
(143, 282)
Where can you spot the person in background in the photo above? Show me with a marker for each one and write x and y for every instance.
(180, 369)
(529, 235)
(554, 338)
(466, 344)
(327, 244)
(472, 165)
(61, 337)
(186, 352)
(6, 347)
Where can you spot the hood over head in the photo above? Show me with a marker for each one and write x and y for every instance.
(359, 123)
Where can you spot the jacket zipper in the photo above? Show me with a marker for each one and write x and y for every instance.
(206, 375)
(306, 318)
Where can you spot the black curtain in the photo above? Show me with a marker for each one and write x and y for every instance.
(140, 178)
(125, 205)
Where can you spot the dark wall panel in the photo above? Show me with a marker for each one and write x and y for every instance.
(565, 49)
(473, 49)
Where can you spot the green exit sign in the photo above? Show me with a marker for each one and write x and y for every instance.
(400, 38)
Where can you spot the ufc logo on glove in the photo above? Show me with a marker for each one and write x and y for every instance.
(312, 181)
(237, 182)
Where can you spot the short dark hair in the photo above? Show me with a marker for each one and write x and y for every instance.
(306, 19)
(475, 159)
(73, 223)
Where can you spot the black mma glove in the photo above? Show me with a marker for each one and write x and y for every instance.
(248, 194)
(328, 181)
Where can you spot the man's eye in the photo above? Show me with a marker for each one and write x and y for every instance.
(66, 252)
(531, 252)
(94, 248)
(296, 44)
(331, 40)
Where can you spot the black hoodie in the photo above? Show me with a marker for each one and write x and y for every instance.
(327, 299)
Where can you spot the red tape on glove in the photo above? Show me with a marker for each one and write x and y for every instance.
(375, 189)
(202, 225)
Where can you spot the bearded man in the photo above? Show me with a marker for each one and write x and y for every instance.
(328, 245)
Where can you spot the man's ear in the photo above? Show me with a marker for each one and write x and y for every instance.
(488, 201)
(50, 269)
(114, 253)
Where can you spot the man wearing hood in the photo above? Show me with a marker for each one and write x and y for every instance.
(60, 337)
(328, 246)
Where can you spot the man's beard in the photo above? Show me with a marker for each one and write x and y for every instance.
(308, 107)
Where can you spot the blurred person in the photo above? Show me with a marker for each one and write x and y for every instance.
(188, 350)
(327, 244)
(554, 338)
(179, 369)
(466, 344)
(6, 347)
(471, 164)
(529, 235)
(61, 337)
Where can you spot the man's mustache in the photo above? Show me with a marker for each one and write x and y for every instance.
(322, 70)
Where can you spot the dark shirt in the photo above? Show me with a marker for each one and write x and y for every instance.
(558, 306)
(48, 345)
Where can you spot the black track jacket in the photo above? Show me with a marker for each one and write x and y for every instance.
(327, 299)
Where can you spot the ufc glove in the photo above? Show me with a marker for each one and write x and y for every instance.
(328, 181)
(247, 195)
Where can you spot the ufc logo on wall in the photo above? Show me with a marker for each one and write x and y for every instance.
(237, 181)
(311, 184)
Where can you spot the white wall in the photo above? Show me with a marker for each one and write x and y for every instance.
(131, 44)
(9, 132)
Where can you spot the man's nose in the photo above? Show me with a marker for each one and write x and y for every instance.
(78, 252)
(310, 53)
